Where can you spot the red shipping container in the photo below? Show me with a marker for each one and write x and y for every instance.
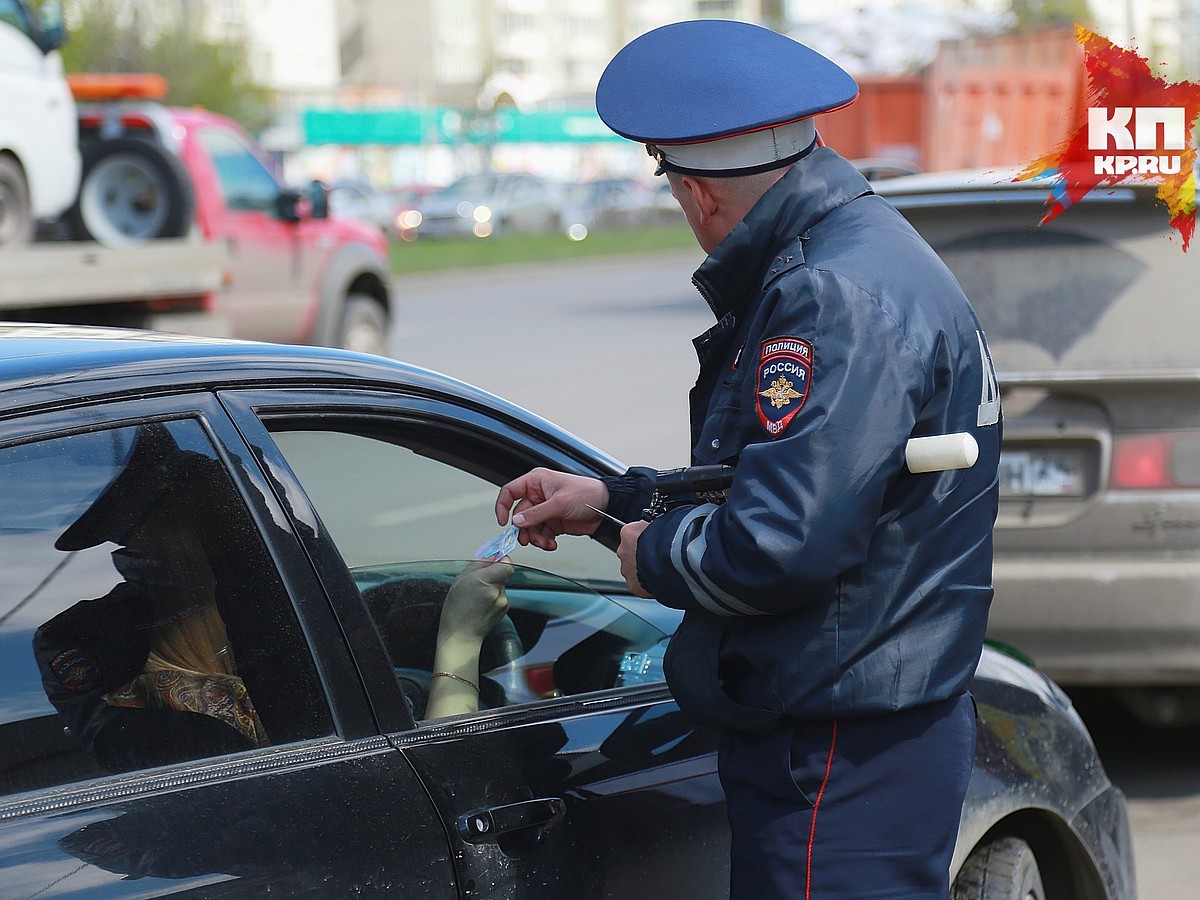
(984, 102)
(886, 121)
(1002, 101)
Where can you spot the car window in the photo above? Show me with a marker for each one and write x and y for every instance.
(472, 187)
(141, 619)
(408, 514)
(558, 638)
(404, 498)
(1098, 290)
(245, 181)
(15, 15)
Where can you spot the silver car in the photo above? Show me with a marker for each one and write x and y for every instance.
(1093, 321)
(487, 204)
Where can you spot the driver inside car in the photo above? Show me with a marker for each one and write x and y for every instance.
(147, 675)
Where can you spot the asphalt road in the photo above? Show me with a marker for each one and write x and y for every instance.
(1159, 770)
(603, 348)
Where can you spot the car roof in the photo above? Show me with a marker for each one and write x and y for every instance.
(194, 116)
(33, 356)
(989, 186)
(54, 365)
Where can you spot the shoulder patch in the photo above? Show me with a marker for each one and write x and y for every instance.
(75, 670)
(784, 372)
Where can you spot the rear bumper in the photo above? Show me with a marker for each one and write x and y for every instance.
(445, 226)
(1102, 620)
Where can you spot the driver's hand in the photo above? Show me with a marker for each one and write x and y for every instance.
(476, 602)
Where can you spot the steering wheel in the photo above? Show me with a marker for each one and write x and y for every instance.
(407, 610)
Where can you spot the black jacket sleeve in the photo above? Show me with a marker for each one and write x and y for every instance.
(95, 647)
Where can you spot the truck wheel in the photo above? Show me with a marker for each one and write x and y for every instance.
(132, 191)
(364, 326)
(16, 216)
(1002, 869)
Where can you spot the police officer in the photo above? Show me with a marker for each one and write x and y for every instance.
(835, 603)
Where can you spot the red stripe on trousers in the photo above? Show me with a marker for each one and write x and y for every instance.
(812, 830)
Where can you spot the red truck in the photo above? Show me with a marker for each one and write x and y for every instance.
(181, 225)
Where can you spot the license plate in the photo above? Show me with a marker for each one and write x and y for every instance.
(1041, 473)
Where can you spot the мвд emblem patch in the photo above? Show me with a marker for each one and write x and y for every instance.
(75, 670)
(784, 373)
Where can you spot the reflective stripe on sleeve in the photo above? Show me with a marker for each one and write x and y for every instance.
(687, 562)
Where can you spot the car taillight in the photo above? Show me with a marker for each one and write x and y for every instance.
(1149, 461)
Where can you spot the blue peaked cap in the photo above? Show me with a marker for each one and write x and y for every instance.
(713, 79)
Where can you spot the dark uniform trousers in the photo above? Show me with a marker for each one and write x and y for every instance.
(855, 807)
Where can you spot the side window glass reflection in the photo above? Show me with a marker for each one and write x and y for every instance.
(141, 619)
(404, 513)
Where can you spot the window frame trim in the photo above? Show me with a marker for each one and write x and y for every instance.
(252, 408)
(346, 708)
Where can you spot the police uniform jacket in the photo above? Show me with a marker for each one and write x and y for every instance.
(832, 581)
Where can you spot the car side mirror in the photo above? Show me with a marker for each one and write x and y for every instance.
(318, 198)
(50, 24)
(287, 206)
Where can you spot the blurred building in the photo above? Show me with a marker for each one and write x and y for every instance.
(1164, 31)
(475, 67)
(426, 90)
(485, 53)
(292, 44)
(1167, 32)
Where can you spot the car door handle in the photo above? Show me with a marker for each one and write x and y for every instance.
(486, 825)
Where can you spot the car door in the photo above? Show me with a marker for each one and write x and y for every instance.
(109, 781)
(580, 776)
(270, 266)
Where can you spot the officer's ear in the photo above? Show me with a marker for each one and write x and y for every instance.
(704, 198)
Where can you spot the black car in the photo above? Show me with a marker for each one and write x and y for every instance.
(338, 497)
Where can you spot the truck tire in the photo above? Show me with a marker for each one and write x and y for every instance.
(16, 216)
(132, 191)
(1002, 869)
(364, 325)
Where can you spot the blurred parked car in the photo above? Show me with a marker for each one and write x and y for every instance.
(1092, 320)
(405, 203)
(483, 205)
(605, 204)
(323, 493)
(359, 200)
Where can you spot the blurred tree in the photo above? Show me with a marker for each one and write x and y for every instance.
(1032, 13)
(122, 36)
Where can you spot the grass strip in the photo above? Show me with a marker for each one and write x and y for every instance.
(432, 254)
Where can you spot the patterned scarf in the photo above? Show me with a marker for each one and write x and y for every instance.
(223, 697)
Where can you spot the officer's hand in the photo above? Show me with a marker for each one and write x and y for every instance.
(550, 503)
(627, 553)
